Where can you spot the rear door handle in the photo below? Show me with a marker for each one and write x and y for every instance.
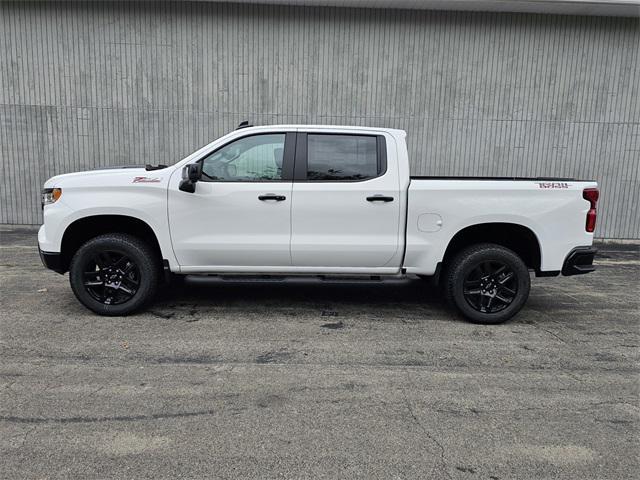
(379, 198)
(271, 196)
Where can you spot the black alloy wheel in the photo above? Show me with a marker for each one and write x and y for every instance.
(487, 283)
(111, 277)
(115, 274)
(490, 287)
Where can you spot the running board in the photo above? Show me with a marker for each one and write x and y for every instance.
(280, 278)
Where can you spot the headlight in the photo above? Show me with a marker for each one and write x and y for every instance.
(50, 195)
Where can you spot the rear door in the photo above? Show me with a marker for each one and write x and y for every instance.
(346, 201)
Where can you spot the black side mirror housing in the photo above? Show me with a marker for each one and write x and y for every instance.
(194, 172)
(190, 175)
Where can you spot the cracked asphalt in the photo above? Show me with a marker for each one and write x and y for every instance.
(239, 379)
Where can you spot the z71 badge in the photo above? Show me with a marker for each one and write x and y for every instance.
(553, 185)
(146, 180)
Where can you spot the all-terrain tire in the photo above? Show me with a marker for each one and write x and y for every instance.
(465, 275)
(139, 273)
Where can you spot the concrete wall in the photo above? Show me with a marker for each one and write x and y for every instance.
(90, 84)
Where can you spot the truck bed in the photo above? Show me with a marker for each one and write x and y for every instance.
(553, 209)
(529, 179)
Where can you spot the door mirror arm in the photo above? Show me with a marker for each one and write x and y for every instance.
(190, 175)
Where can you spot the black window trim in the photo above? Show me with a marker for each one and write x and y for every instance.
(301, 156)
(287, 160)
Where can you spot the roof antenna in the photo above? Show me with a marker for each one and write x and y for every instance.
(244, 124)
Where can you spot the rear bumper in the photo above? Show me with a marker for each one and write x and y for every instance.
(579, 261)
(52, 261)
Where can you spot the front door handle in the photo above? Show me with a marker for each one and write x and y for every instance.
(272, 196)
(379, 198)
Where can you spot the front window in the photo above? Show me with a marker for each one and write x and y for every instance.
(249, 159)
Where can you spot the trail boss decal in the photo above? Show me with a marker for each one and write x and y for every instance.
(146, 180)
(553, 185)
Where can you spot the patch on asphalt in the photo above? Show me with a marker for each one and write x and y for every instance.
(274, 357)
(178, 359)
(127, 443)
(558, 455)
(333, 326)
(164, 315)
(466, 469)
(270, 401)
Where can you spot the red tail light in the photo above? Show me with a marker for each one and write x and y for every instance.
(591, 194)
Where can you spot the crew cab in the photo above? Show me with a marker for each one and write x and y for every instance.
(313, 200)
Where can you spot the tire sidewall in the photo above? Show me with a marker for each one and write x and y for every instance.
(469, 260)
(134, 249)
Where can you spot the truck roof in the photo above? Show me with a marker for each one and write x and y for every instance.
(391, 131)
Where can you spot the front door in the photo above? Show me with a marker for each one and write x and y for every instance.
(346, 203)
(240, 213)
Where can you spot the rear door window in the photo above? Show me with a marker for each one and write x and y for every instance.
(342, 157)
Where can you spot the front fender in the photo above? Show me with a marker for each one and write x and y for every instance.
(149, 207)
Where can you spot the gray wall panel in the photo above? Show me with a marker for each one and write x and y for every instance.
(91, 84)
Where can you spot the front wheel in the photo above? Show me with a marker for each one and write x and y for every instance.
(114, 274)
(487, 283)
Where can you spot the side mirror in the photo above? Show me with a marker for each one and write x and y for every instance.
(194, 172)
(190, 175)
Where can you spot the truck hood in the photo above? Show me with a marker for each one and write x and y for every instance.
(109, 176)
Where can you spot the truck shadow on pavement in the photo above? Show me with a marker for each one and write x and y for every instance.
(329, 297)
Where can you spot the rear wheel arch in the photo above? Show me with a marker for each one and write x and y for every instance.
(516, 237)
(84, 229)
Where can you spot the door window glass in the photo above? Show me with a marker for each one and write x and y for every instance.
(341, 157)
(248, 159)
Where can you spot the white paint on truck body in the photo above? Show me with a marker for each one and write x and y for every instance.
(321, 227)
(555, 216)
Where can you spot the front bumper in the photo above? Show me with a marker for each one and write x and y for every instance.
(579, 261)
(52, 261)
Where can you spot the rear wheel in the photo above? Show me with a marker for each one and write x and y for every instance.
(114, 274)
(487, 283)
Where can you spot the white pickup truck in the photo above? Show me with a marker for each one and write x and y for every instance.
(313, 200)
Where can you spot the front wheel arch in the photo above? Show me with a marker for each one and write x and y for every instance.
(84, 229)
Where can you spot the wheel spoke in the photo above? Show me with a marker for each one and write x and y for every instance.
(481, 303)
(485, 268)
(111, 277)
(490, 287)
(506, 278)
(102, 260)
(500, 269)
(122, 260)
(128, 268)
(503, 288)
(131, 282)
(126, 290)
(506, 301)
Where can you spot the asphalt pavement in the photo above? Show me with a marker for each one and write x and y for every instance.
(313, 379)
